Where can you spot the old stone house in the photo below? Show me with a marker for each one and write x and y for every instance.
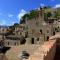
(38, 26)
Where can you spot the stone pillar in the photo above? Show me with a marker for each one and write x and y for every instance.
(23, 33)
(35, 40)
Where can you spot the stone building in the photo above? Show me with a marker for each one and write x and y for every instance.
(19, 29)
(39, 26)
(34, 30)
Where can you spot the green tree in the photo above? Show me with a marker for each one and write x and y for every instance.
(47, 14)
(32, 14)
(22, 20)
(11, 27)
(16, 24)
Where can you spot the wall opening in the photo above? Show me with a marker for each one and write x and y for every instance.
(23, 41)
(41, 31)
(47, 38)
(32, 40)
(53, 32)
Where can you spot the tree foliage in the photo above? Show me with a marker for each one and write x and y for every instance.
(28, 16)
(16, 24)
(13, 26)
(47, 14)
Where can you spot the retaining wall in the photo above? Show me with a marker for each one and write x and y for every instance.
(46, 51)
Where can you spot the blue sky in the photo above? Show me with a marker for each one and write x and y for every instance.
(12, 10)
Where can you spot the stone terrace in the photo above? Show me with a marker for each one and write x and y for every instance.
(45, 51)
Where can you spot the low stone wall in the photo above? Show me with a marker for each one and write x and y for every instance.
(45, 52)
(39, 40)
(11, 42)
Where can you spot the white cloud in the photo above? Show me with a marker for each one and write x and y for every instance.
(13, 23)
(2, 22)
(21, 13)
(57, 6)
(42, 4)
(10, 15)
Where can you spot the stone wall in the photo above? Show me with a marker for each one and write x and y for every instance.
(46, 52)
(11, 42)
(35, 40)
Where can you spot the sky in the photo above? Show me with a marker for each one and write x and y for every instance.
(11, 11)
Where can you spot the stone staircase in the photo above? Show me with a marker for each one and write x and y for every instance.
(44, 51)
(15, 51)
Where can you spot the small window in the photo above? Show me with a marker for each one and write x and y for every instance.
(41, 31)
(47, 31)
(37, 39)
(47, 38)
(32, 40)
(58, 26)
(15, 43)
(20, 33)
(8, 43)
(53, 32)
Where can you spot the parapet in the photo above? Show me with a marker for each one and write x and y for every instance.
(45, 51)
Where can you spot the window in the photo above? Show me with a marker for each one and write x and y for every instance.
(26, 34)
(53, 32)
(37, 39)
(41, 31)
(15, 43)
(32, 40)
(20, 33)
(8, 43)
(47, 38)
(58, 26)
(47, 31)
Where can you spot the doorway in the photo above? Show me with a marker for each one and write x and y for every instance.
(47, 38)
(53, 32)
(32, 40)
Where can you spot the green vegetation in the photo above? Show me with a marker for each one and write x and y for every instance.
(47, 13)
(13, 26)
(23, 18)
(58, 12)
(30, 15)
